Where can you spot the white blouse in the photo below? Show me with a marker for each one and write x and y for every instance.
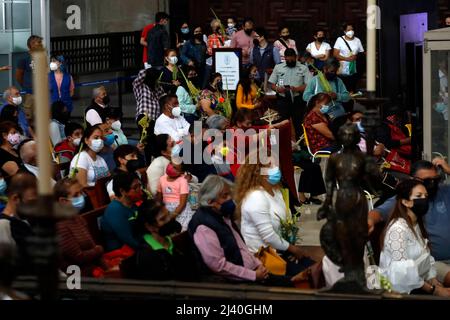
(324, 48)
(406, 260)
(260, 220)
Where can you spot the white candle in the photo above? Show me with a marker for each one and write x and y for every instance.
(372, 18)
(42, 120)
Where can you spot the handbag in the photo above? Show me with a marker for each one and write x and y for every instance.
(352, 64)
(395, 162)
(272, 261)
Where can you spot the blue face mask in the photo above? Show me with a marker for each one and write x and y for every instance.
(440, 107)
(185, 30)
(325, 109)
(3, 186)
(227, 208)
(109, 139)
(78, 202)
(360, 127)
(274, 175)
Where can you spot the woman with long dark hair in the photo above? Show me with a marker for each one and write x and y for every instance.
(247, 89)
(212, 95)
(405, 258)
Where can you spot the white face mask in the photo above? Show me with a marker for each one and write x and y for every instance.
(116, 125)
(53, 66)
(97, 145)
(17, 100)
(173, 60)
(350, 33)
(230, 25)
(176, 112)
(76, 142)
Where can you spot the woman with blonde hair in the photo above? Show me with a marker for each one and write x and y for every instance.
(262, 207)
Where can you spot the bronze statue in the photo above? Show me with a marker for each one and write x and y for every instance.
(345, 234)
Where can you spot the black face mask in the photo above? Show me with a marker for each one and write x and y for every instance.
(420, 207)
(285, 38)
(291, 64)
(170, 228)
(219, 85)
(106, 100)
(432, 186)
(255, 42)
(248, 31)
(330, 76)
(133, 165)
(228, 208)
(320, 39)
(198, 36)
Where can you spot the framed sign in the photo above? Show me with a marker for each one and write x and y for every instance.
(228, 62)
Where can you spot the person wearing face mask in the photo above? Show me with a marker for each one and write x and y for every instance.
(113, 121)
(436, 220)
(62, 86)
(60, 116)
(170, 69)
(215, 39)
(346, 50)
(285, 42)
(338, 94)
(158, 41)
(28, 153)
(263, 54)
(88, 165)
(319, 49)
(3, 187)
(193, 52)
(14, 230)
(164, 146)
(247, 89)
(289, 80)
(244, 39)
(173, 191)
(262, 206)
(126, 159)
(187, 104)
(10, 113)
(117, 222)
(219, 247)
(66, 149)
(98, 110)
(183, 36)
(12, 96)
(210, 97)
(405, 258)
(157, 256)
(171, 121)
(10, 138)
(231, 28)
(76, 245)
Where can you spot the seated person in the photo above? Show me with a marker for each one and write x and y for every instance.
(171, 121)
(173, 191)
(113, 121)
(163, 145)
(338, 93)
(247, 89)
(116, 223)
(3, 187)
(219, 247)
(405, 257)
(97, 112)
(263, 208)
(156, 257)
(126, 158)
(109, 139)
(316, 124)
(76, 244)
(67, 148)
(356, 118)
(10, 138)
(188, 107)
(60, 116)
(88, 165)
(28, 153)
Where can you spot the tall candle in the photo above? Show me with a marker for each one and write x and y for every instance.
(372, 20)
(42, 120)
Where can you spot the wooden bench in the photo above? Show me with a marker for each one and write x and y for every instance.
(98, 194)
(92, 219)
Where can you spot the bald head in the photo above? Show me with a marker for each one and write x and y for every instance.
(28, 153)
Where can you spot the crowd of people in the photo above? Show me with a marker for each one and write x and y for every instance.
(227, 210)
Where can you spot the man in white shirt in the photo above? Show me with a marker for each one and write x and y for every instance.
(171, 121)
(97, 112)
(346, 50)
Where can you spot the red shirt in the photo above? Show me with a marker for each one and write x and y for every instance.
(65, 151)
(316, 140)
(144, 34)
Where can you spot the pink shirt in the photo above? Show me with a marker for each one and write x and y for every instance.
(172, 190)
(241, 40)
(290, 43)
(212, 253)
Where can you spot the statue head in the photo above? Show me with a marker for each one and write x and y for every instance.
(348, 135)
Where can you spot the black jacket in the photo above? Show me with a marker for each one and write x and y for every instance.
(157, 42)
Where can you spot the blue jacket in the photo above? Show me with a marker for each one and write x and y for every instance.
(23, 122)
(195, 52)
(267, 60)
(65, 90)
